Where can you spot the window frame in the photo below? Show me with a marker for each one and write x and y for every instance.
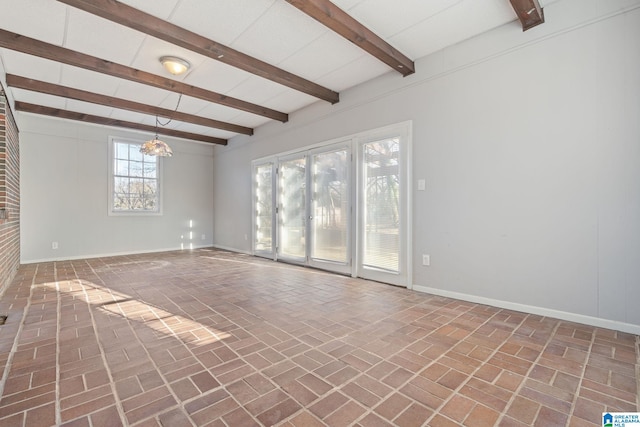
(111, 177)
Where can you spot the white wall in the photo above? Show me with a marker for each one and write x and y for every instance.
(64, 183)
(530, 147)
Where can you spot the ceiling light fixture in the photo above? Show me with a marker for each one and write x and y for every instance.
(156, 147)
(174, 65)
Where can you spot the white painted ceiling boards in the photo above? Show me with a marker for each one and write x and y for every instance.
(272, 31)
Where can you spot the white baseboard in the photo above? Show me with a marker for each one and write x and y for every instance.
(540, 311)
(110, 254)
(227, 248)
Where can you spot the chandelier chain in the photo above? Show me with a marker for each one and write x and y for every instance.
(159, 123)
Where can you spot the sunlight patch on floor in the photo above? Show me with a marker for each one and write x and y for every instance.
(119, 304)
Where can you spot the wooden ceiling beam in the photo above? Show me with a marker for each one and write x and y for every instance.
(110, 101)
(45, 50)
(88, 118)
(529, 13)
(138, 20)
(342, 23)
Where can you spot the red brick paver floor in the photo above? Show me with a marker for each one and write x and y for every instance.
(212, 338)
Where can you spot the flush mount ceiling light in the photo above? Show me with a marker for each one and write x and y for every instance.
(174, 65)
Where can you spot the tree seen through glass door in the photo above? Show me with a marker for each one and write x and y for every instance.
(381, 204)
(293, 215)
(330, 206)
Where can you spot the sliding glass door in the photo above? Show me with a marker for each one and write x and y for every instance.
(341, 207)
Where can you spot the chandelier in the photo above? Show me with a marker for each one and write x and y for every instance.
(156, 147)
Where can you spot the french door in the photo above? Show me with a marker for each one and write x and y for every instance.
(264, 231)
(313, 208)
(292, 209)
(341, 207)
(330, 209)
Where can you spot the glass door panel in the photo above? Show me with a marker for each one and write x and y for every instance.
(330, 210)
(292, 209)
(383, 209)
(381, 245)
(263, 231)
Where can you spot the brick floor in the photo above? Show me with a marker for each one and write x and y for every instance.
(212, 338)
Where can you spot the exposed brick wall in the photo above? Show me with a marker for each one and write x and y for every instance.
(9, 195)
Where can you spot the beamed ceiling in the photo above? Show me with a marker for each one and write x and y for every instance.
(252, 61)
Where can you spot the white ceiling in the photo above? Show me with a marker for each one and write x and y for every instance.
(270, 30)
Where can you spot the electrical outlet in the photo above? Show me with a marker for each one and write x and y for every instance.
(203, 237)
(426, 260)
(54, 245)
